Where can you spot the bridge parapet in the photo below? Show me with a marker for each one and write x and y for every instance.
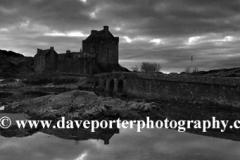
(221, 90)
(224, 81)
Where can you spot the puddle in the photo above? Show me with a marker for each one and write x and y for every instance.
(2, 108)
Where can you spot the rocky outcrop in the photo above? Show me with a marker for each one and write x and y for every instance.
(131, 105)
(74, 104)
(131, 110)
(80, 105)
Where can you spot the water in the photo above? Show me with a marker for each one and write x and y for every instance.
(150, 144)
(2, 108)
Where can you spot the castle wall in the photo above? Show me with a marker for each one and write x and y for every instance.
(86, 46)
(107, 53)
(39, 64)
(51, 61)
(67, 63)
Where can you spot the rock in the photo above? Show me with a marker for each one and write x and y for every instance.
(131, 105)
(93, 112)
(134, 106)
(141, 106)
(64, 104)
(147, 107)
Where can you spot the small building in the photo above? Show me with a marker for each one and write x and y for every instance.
(45, 60)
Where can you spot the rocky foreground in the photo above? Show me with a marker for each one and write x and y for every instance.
(80, 105)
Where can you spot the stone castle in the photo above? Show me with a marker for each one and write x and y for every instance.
(99, 54)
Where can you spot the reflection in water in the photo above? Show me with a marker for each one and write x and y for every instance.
(79, 134)
(83, 134)
(149, 144)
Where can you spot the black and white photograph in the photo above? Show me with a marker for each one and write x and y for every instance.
(119, 79)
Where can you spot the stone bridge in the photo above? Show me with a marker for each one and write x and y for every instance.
(220, 90)
(111, 82)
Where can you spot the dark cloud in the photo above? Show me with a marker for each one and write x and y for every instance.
(167, 31)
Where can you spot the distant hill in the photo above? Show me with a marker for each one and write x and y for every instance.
(230, 72)
(14, 64)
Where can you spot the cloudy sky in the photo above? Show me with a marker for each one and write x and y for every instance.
(164, 31)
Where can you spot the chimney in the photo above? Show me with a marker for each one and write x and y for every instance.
(68, 51)
(52, 48)
(105, 28)
(38, 50)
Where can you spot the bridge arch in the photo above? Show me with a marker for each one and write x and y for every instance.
(104, 84)
(111, 85)
(96, 83)
(112, 82)
(120, 86)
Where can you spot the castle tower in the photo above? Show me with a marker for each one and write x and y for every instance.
(104, 45)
